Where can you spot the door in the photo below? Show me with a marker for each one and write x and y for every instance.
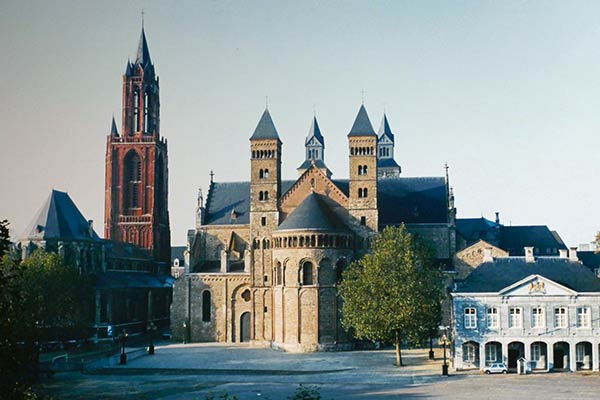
(245, 327)
(513, 356)
(559, 358)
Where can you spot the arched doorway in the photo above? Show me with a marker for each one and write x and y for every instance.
(493, 353)
(516, 350)
(471, 354)
(561, 355)
(245, 327)
(539, 355)
(583, 355)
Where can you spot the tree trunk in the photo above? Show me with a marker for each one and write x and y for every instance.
(398, 350)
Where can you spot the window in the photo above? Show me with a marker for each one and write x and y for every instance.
(360, 170)
(470, 318)
(365, 192)
(261, 174)
(491, 353)
(206, 306)
(514, 320)
(278, 275)
(536, 351)
(146, 113)
(133, 178)
(136, 110)
(263, 221)
(360, 193)
(470, 353)
(492, 317)
(560, 317)
(363, 220)
(583, 317)
(307, 273)
(365, 170)
(266, 174)
(537, 317)
(580, 352)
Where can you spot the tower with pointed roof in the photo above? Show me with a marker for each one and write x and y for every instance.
(362, 141)
(315, 150)
(136, 202)
(386, 165)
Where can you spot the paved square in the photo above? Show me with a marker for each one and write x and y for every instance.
(192, 371)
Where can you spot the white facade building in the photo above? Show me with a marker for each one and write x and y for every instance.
(543, 309)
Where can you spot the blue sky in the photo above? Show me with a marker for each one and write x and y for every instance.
(506, 92)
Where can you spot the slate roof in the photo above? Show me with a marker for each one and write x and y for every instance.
(113, 128)
(474, 229)
(314, 214)
(315, 132)
(362, 124)
(408, 200)
(386, 163)
(265, 128)
(121, 279)
(590, 259)
(503, 272)
(385, 129)
(515, 238)
(59, 218)
(142, 56)
(307, 163)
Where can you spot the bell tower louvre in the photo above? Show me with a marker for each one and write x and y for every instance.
(136, 197)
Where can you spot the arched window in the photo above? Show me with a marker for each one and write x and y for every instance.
(360, 170)
(360, 193)
(365, 169)
(136, 110)
(266, 195)
(261, 196)
(206, 306)
(260, 174)
(133, 180)
(365, 192)
(146, 112)
(278, 275)
(307, 273)
(266, 174)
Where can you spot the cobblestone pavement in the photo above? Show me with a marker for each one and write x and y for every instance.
(192, 371)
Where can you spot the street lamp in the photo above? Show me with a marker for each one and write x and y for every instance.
(151, 330)
(444, 342)
(123, 340)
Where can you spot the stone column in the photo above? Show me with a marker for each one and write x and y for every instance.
(595, 361)
(572, 357)
(527, 355)
(550, 352)
(224, 261)
(481, 355)
(505, 353)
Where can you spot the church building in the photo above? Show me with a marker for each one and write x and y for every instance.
(266, 255)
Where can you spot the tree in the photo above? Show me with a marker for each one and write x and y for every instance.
(394, 292)
(40, 298)
(4, 237)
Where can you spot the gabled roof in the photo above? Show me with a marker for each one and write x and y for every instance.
(400, 200)
(142, 56)
(113, 128)
(59, 219)
(315, 132)
(503, 272)
(313, 214)
(362, 124)
(265, 128)
(385, 129)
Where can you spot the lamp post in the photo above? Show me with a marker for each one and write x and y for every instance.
(444, 342)
(151, 330)
(123, 340)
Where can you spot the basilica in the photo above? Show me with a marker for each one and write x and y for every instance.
(266, 254)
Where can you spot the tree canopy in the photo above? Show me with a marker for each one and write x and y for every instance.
(4, 237)
(41, 298)
(394, 292)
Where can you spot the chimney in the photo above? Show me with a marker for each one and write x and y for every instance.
(573, 254)
(487, 255)
(497, 218)
(564, 253)
(529, 254)
(91, 227)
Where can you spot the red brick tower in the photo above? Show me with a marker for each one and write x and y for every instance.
(136, 203)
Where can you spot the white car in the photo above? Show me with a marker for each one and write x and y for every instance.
(496, 368)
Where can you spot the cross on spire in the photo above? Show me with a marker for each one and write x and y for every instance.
(212, 174)
(143, 18)
(267, 102)
(362, 94)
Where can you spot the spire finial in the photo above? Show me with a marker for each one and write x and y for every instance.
(212, 174)
(143, 18)
(362, 93)
(267, 102)
(314, 110)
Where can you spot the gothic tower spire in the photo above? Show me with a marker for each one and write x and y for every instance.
(386, 165)
(315, 150)
(136, 203)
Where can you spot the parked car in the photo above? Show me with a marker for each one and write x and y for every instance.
(496, 368)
